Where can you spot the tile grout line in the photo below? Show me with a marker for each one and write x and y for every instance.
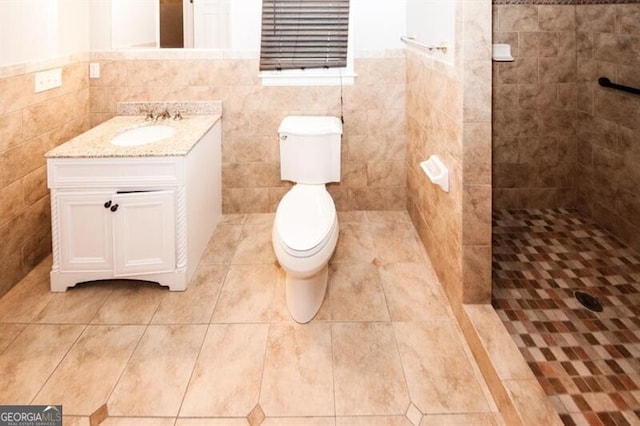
(61, 358)
(264, 360)
(193, 369)
(333, 374)
(124, 367)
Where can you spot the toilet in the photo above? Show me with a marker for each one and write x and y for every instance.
(305, 230)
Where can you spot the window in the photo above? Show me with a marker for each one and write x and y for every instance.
(310, 38)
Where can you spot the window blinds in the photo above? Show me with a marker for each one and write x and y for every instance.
(304, 34)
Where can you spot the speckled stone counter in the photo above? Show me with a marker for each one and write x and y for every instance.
(95, 142)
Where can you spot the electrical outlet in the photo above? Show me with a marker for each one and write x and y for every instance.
(94, 70)
(49, 79)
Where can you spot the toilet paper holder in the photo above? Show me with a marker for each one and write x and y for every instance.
(437, 172)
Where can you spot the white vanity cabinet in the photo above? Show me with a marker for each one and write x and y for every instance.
(146, 218)
(129, 233)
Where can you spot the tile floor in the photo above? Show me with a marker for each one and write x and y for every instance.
(384, 348)
(588, 363)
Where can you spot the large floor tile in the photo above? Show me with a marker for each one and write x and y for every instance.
(138, 421)
(227, 352)
(88, 373)
(8, 333)
(211, 421)
(226, 379)
(222, 244)
(396, 242)
(247, 294)
(78, 305)
(356, 293)
(255, 246)
(389, 216)
(130, 302)
(354, 244)
(156, 377)
(367, 370)
(373, 421)
(76, 421)
(413, 292)
(297, 378)
(298, 421)
(194, 305)
(351, 217)
(475, 419)
(27, 363)
(439, 374)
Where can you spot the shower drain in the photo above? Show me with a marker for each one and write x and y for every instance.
(588, 301)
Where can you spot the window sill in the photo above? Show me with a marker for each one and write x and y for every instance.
(310, 77)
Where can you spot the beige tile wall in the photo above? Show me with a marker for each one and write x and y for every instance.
(449, 114)
(434, 126)
(30, 125)
(373, 160)
(559, 139)
(608, 132)
(534, 107)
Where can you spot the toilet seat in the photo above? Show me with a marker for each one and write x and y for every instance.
(305, 219)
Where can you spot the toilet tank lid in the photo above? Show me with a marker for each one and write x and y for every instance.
(308, 125)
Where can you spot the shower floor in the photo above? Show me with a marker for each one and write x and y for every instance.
(587, 362)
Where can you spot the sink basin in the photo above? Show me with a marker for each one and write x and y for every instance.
(143, 135)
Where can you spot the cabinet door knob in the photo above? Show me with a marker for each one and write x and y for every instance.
(107, 204)
(114, 207)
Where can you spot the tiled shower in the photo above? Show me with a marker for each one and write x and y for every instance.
(559, 139)
(566, 198)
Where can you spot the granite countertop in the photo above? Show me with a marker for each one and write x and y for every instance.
(95, 143)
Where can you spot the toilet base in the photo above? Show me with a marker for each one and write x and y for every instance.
(305, 295)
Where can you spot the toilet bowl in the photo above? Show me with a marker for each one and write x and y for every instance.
(305, 229)
(305, 234)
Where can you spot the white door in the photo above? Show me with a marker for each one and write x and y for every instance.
(187, 22)
(144, 233)
(85, 230)
(211, 24)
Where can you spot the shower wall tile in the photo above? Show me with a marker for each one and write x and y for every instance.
(535, 100)
(373, 109)
(517, 18)
(608, 131)
(627, 19)
(556, 18)
(595, 18)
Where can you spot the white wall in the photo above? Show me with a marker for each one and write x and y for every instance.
(376, 25)
(432, 22)
(37, 30)
(135, 23)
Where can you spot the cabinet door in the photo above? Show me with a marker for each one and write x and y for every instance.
(144, 233)
(85, 231)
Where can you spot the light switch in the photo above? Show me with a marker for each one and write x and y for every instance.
(49, 79)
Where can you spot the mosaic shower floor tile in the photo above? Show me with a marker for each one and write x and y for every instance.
(587, 362)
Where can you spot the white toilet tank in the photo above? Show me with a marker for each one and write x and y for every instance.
(310, 149)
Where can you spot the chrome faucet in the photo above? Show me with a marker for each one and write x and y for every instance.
(149, 115)
(164, 115)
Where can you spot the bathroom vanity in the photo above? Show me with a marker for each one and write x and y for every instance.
(134, 212)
